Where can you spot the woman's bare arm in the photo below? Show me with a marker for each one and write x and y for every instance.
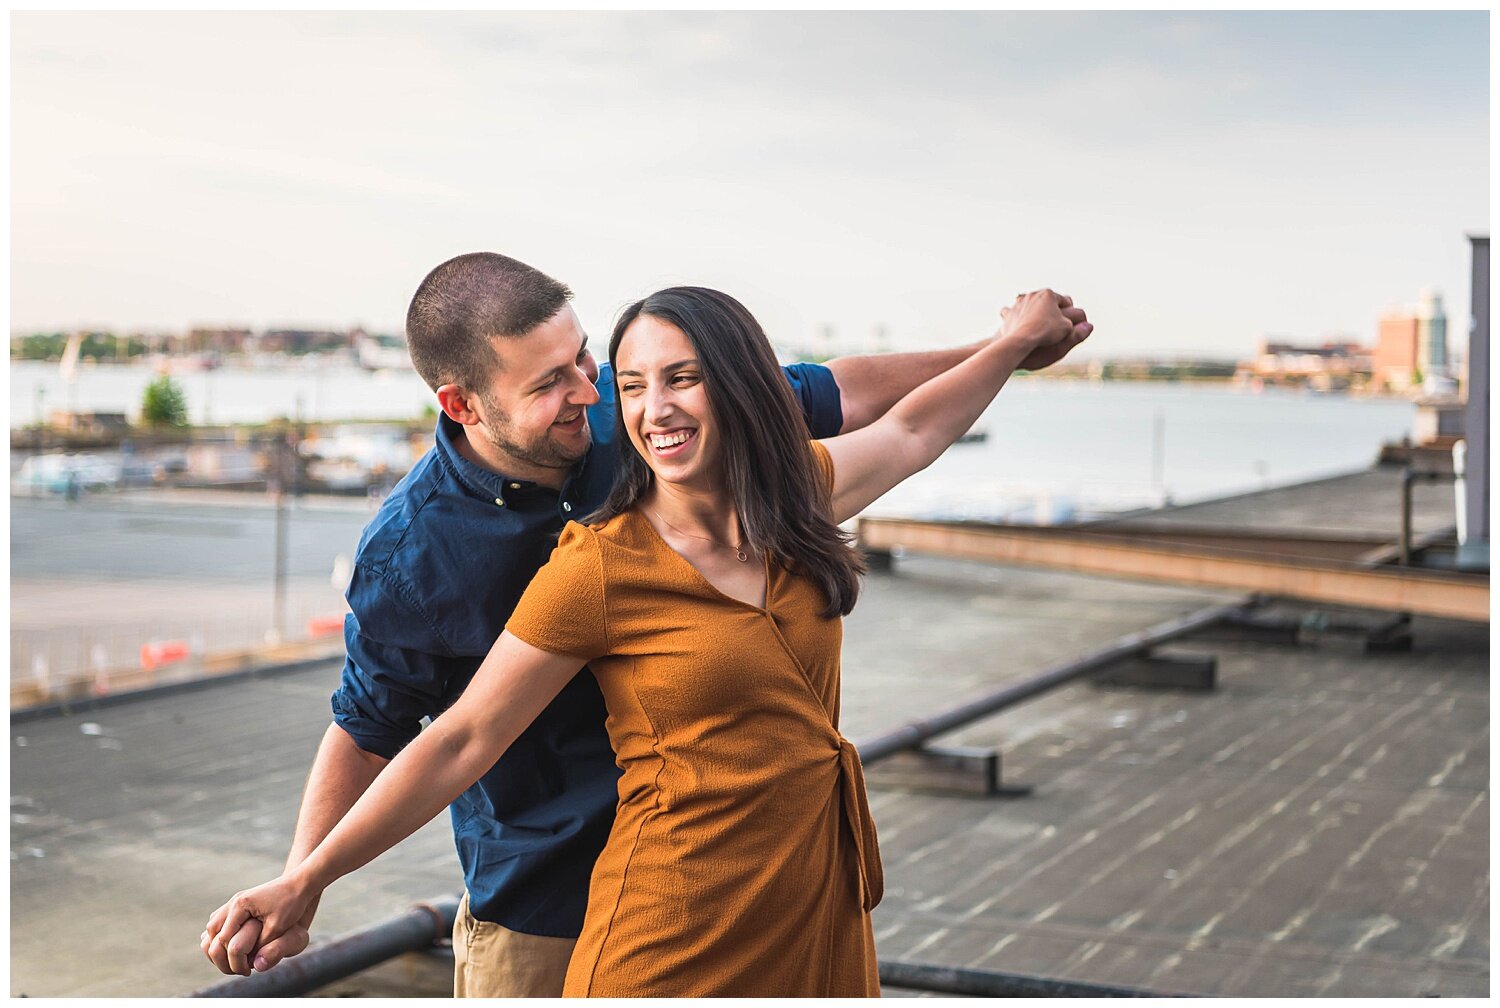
(513, 685)
(915, 431)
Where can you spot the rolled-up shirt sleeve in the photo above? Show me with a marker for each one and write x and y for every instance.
(395, 673)
(818, 395)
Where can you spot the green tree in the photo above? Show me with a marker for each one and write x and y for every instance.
(40, 346)
(164, 404)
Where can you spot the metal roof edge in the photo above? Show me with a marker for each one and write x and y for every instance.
(80, 704)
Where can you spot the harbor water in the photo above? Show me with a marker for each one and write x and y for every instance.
(1056, 450)
(1053, 449)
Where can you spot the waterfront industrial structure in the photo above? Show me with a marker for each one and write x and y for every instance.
(1335, 365)
(1411, 357)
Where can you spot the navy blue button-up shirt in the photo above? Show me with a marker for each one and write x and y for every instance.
(436, 575)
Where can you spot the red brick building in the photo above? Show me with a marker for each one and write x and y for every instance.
(1396, 365)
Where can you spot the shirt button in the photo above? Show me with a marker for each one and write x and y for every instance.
(567, 506)
(515, 486)
(499, 502)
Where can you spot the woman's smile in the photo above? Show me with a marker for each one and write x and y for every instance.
(671, 443)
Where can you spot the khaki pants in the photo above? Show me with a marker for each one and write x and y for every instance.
(492, 961)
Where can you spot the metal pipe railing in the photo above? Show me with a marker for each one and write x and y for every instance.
(322, 964)
(987, 983)
(916, 732)
(1408, 477)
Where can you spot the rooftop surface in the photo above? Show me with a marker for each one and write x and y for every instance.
(1318, 824)
(1361, 502)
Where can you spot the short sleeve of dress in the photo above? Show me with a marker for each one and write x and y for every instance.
(825, 465)
(562, 610)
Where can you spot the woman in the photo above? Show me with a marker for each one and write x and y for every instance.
(705, 597)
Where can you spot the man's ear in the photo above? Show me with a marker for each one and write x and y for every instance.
(458, 404)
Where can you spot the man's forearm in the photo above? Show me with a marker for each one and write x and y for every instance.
(870, 386)
(341, 773)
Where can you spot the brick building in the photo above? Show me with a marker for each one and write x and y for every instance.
(225, 341)
(1396, 368)
(1413, 344)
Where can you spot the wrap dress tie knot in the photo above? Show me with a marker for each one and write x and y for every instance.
(861, 825)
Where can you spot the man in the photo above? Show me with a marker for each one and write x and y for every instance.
(525, 442)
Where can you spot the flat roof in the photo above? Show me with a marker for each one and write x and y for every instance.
(1317, 825)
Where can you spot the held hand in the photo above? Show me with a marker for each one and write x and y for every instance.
(272, 918)
(229, 956)
(1047, 323)
(294, 942)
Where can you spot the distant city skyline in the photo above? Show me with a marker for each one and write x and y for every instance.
(1196, 180)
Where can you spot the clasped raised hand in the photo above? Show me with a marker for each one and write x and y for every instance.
(1047, 325)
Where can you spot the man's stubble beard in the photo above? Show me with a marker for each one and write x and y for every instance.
(542, 452)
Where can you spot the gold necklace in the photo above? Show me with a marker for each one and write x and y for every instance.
(739, 551)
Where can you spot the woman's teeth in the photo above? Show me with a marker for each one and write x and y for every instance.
(668, 440)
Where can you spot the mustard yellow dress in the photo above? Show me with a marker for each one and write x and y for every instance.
(743, 859)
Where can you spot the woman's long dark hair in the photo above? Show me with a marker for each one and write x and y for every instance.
(771, 475)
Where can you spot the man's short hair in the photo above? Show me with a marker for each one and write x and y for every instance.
(466, 302)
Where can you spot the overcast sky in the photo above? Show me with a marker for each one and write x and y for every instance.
(1194, 180)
